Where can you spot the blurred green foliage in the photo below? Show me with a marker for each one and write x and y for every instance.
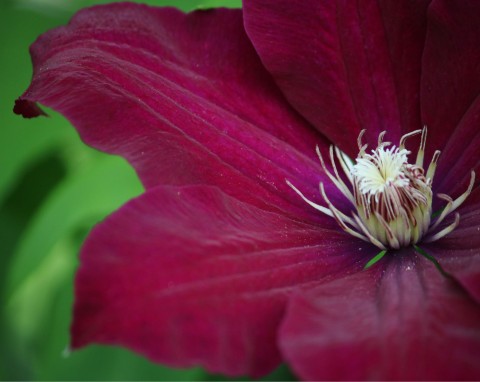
(53, 189)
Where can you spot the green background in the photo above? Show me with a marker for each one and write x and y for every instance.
(53, 189)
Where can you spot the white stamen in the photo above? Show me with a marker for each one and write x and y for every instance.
(444, 231)
(406, 136)
(335, 179)
(421, 150)
(318, 207)
(346, 164)
(392, 198)
(433, 166)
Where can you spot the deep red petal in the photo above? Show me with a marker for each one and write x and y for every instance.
(459, 252)
(183, 97)
(189, 275)
(344, 65)
(451, 88)
(461, 154)
(401, 321)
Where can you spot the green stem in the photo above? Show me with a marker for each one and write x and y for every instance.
(422, 252)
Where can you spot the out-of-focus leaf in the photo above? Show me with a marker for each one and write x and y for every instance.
(208, 4)
(29, 308)
(21, 141)
(62, 7)
(23, 200)
(85, 196)
(23, 145)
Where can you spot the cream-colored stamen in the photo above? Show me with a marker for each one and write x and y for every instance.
(392, 198)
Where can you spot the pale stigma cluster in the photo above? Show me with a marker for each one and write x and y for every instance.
(392, 197)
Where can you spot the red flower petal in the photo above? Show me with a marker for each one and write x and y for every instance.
(189, 275)
(450, 89)
(461, 154)
(183, 97)
(459, 252)
(402, 322)
(344, 65)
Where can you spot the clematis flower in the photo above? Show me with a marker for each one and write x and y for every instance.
(249, 248)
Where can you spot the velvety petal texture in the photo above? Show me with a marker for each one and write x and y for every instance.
(222, 264)
(344, 65)
(451, 88)
(459, 252)
(400, 321)
(183, 97)
(190, 276)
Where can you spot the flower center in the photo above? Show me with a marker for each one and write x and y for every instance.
(392, 197)
(382, 169)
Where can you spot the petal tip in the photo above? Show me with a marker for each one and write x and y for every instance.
(27, 109)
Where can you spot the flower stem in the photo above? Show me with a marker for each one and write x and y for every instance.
(422, 252)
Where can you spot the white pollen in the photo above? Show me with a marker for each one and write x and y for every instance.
(381, 169)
